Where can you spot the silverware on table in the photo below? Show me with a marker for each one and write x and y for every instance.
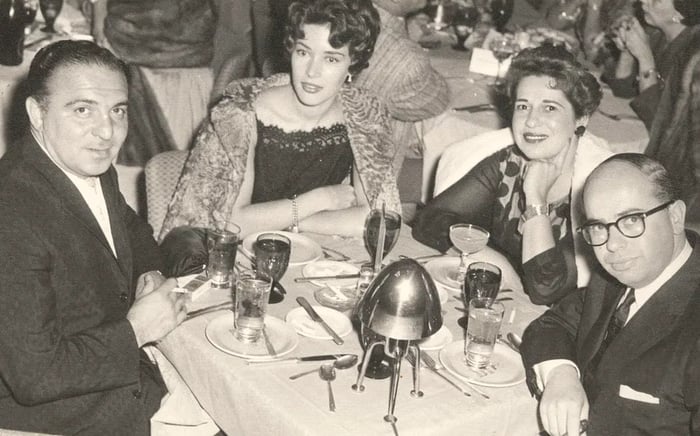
(430, 363)
(331, 277)
(327, 373)
(209, 309)
(421, 258)
(268, 344)
(618, 117)
(313, 358)
(343, 362)
(317, 318)
(334, 254)
(412, 360)
(515, 340)
(475, 108)
(507, 343)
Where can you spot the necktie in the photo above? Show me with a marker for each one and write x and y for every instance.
(617, 322)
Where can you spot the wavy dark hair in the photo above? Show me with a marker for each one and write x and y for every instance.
(580, 86)
(65, 54)
(354, 23)
(690, 9)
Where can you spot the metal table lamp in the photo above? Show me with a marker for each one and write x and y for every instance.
(401, 306)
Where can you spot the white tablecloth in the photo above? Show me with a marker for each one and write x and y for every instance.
(247, 400)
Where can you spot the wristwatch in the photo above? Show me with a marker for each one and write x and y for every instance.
(533, 210)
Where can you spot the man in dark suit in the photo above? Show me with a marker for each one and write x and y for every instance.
(79, 288)
(624, 353)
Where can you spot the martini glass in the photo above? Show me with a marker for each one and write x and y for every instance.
(468, 239)
(502, 48)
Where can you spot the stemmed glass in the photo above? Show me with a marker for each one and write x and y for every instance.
(272, 252)
(371, 233)
(468, 239)
(50, 10)
(502, 48)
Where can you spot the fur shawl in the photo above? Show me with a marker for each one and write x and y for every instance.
(214, 171)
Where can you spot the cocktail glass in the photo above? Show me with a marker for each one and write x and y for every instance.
(468, 239)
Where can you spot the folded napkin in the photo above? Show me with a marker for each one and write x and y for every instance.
(179, 413)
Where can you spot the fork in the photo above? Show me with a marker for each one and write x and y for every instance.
(430, 363)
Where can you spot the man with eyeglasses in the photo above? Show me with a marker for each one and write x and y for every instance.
(622, 356)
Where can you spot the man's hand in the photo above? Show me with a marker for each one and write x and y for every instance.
(156, 313)
(564, 403)
(148, 282)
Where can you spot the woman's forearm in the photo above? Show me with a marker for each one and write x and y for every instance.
(537, 237)
(346, 222)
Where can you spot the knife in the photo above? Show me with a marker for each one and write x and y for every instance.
(475, 108)
(337, 276)
(314, 358)
(315, 316)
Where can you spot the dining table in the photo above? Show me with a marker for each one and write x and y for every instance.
(614, 121)
(246, 398)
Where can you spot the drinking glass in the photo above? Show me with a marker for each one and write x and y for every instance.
(485, 318)
(468, 239)
(272, 252)
(15, 16)
(250, 304)
(483, 280)
(222, 246)
(50, 10)
(502, 48)
(371, 233)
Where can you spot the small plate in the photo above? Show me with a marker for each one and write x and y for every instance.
(443, 270)
(331, 268)
(304, 250)
(327, 297)
(219, 332)
(305, 326)
(437, 341)
(505, 369)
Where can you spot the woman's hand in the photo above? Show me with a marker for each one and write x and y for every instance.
(335, 197)
(539, 177)
(635, 40)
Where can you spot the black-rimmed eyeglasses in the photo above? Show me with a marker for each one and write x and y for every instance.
(630, 226)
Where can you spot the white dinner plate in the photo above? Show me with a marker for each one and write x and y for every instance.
(331, 268)
(505, 368)
(284, 339)
(443, 270)
(305, 326)
(437, 341)
(304, 250)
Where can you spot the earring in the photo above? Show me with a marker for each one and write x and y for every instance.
(580, 130)
(676, 19)
(349, 78)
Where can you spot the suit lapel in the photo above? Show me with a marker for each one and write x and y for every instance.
(603, 304)
(660, 314)
(70, 197)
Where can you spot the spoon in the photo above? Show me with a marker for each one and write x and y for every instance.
(327, 373)
(515, 340)
(343, 362)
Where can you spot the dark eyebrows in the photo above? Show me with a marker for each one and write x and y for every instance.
(92, 102)
(328, 52)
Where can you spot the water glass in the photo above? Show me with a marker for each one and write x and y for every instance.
(222, 245)
(250, 306)
(483, 280)
(485, 318)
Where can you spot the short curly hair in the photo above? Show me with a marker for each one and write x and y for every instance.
(352, 22)
(580, 86)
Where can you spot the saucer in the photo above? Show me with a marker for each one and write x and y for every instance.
(219, 332)
(305, 326)
(437, 341)
(443, 270)
(505, 368)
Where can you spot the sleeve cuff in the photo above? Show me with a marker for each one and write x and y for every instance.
(543, 369)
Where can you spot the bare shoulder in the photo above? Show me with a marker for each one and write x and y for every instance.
(274, 105)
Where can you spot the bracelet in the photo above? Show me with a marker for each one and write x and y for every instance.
(534, 210)
(295, 215)
(648, 73)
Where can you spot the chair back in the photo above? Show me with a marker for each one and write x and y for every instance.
(162, 174)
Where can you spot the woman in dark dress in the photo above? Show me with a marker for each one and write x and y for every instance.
(528, 195)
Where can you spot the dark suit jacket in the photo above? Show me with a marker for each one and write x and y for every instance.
(69, 362)
(657, 353)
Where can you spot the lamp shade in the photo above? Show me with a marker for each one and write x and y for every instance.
(402, 302)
